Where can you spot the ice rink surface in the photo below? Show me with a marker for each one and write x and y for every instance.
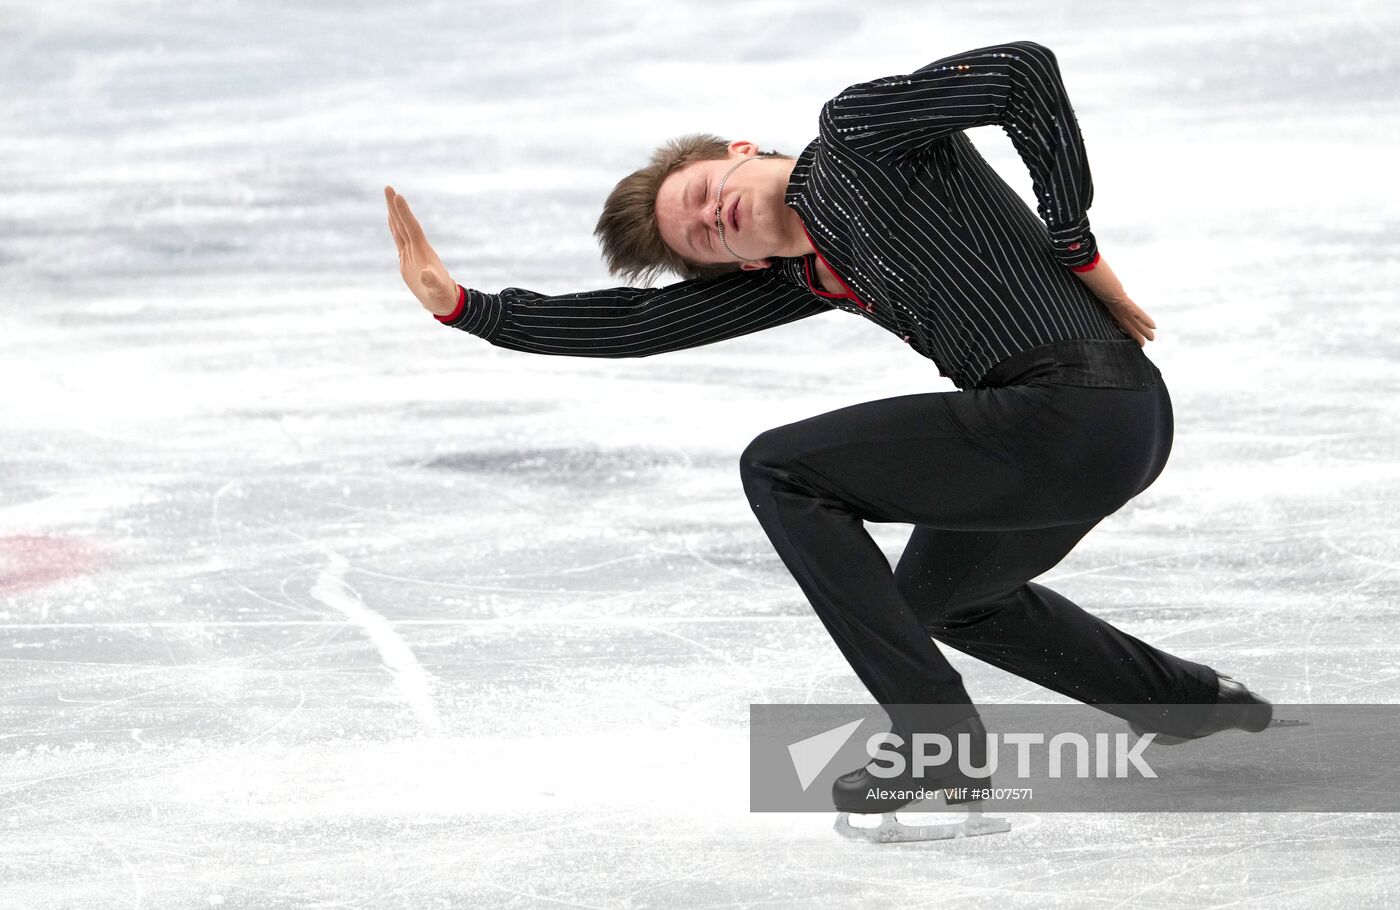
(309, 601)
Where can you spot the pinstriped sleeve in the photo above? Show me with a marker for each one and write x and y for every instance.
(1017, 86)
(634, 322)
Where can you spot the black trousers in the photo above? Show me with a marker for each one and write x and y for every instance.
(1000, 483)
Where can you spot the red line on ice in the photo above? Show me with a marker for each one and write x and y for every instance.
(34, 560)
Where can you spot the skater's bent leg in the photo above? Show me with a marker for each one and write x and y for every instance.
(847, 580)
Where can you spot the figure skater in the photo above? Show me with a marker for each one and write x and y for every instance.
(1059, 418)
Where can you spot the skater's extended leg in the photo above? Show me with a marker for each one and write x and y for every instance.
(972, 590)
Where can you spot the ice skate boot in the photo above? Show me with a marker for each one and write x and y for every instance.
(1236, 708)
(863, 792)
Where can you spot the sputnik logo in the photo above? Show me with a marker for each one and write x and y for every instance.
(809, 756)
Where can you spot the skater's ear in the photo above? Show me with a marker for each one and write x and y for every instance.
(743, 147)
(756, 264)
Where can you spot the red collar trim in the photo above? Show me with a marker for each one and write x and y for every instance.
(811, 285)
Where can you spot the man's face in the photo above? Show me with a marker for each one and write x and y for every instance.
(752, 205)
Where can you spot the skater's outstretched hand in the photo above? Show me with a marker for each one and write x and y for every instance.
(419, 264)
(1128, 315)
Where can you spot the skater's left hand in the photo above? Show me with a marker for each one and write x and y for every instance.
(1131, 318)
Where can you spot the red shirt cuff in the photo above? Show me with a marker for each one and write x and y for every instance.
(1088, 266)
(457, 310)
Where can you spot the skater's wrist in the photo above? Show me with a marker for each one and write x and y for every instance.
(456, 310)
(1101, 281)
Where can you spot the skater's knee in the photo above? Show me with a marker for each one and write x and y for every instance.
(924, 595)
(768, 450)
(958, 613)
(945, 599)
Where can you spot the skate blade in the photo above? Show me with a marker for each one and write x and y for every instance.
(1165, 739)
(892, 831)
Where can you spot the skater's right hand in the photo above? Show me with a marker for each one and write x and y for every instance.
(1131, 318)
(419, 264)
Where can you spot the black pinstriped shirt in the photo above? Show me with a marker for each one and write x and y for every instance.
(927, 239)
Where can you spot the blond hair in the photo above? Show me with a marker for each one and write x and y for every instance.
(628, 230)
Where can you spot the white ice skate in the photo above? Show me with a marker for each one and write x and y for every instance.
(892, 831)
(859, 792)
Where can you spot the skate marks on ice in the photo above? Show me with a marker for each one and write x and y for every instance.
(410, 679)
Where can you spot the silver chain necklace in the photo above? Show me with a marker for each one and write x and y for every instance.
(719, 220)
